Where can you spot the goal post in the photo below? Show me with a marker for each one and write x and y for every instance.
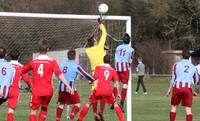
(40, 16)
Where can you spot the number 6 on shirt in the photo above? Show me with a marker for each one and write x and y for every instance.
(40, 70)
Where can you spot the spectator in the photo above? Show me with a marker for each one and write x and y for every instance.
(141, 72)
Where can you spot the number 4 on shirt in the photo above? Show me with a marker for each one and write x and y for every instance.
(40, 70)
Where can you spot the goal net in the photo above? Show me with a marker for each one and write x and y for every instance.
(22, 31)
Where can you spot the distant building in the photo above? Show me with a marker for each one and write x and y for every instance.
(172, 57)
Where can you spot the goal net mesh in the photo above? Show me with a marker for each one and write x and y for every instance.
(23, 34)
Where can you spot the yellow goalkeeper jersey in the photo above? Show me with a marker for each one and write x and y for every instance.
(97, 52)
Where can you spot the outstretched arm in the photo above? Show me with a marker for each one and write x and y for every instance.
(102, 40)
(83, 73)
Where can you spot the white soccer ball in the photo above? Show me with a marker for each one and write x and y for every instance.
(103, 8)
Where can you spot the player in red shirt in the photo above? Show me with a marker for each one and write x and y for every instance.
(42, 85)
(104, 74)
(14, 90)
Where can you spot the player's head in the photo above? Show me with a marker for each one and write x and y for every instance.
(71, 54)
(2, 52)
(140, 59)
(106, 59)
(92, 41)
(14, 55)
(126, 38)
(43, 46)
(186, 54)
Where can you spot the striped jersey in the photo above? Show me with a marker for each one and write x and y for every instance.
(6, 76)
(123, 54)
(18, 75)
(183, 74)
(70, 70)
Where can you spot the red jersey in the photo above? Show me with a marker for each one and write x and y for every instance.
(104, 74)
(18, 75)
(42, 70)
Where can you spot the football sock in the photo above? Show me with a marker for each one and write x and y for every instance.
(32, 117)
(74, 112)
(119, 113)
(102, 105)
(172, 116)
(189, 117)
(123, 94)
(58, 113)
(94, 107)
(43, 114)
(10, 117)
(115, 91)
(83, 113)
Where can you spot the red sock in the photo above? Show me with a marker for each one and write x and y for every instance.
(58, 113)
(43, 114)
(123, 95)
(102, 105)
(115, 91)
(83, 113)
(172, 116)
(74, 112)
(10, 117)
(94, 108)
(189, 117)
(32, 117)
(119, 113)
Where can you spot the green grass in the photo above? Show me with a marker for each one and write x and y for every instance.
(153, 107)
(156, 106)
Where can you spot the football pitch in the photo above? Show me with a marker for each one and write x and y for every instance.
(152, 107)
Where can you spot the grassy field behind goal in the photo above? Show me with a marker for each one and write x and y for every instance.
(152, 107)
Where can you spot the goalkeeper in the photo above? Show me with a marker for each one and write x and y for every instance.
(95, 53)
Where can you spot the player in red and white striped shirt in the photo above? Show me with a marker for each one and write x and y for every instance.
(14, 90)
(123, 57)
(42, 69)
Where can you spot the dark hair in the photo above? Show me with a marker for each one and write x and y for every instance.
(2, 52)
(14, 54)
(186, 53)
(140, 58)
(126, 38)
(91, 41)
(71, 54)
(43, 45)
(106, 59)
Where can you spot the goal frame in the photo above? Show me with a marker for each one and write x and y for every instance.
(83, 17)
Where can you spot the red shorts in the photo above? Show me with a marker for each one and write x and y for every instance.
(13, 97)
(183, 96)
(108, 98)
(67, 98)
(36, 101)
(124, 76)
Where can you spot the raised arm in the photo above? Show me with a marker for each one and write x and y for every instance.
(102, 40)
